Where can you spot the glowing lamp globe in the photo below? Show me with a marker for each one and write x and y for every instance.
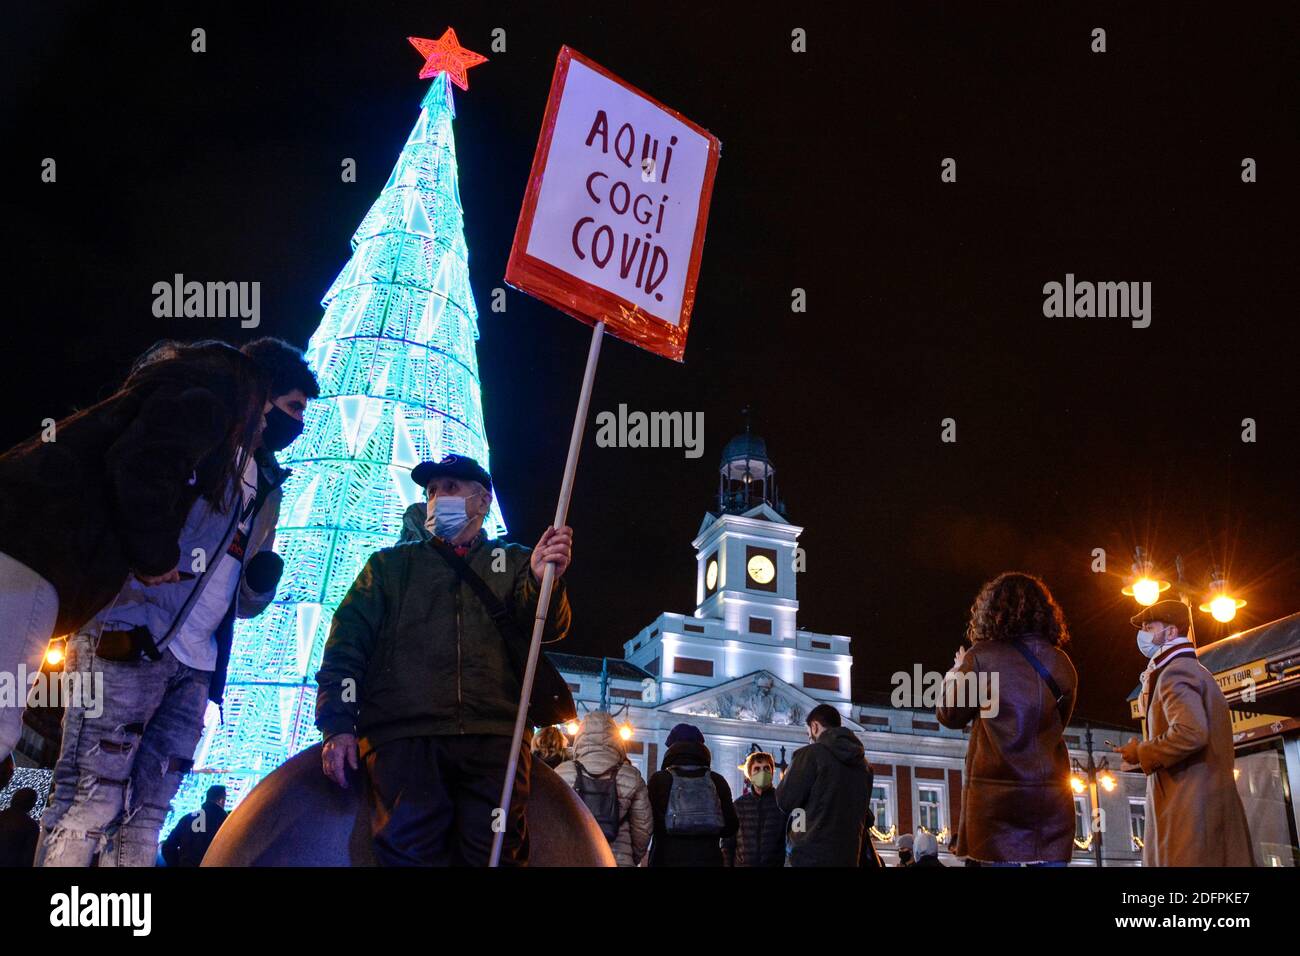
(1145, 586)
(1146, 591)
(1223, 608)
(1219, 603)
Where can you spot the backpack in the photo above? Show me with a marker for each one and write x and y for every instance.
(600, 793)
(694, 808)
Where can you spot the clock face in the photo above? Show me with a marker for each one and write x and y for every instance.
(761, 569)
(711, 574)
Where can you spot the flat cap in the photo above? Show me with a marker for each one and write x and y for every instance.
(1167, 612)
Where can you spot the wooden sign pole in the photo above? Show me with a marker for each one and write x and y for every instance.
(544, 596)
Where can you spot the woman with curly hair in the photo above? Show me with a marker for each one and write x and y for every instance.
(1018, 687)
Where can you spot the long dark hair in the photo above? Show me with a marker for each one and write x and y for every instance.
(230, 375)
(1015, 604)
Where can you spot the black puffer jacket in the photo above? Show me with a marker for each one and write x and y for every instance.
(761, 838)
(830, 782)
(668, 850)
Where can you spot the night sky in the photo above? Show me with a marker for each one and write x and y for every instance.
(924, 298)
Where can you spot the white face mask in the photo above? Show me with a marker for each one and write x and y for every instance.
(1147, 644)
(449, 516)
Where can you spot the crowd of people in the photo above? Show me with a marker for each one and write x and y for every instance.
(684, 814)
(141, 527)
(1017, 807)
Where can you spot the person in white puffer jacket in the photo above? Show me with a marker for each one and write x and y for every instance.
(599, 748)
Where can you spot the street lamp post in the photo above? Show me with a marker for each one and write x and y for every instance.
(625, 729)
(1094, 793)
(1096, 778)
(1184, 594)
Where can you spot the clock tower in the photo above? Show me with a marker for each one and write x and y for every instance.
(747, 562)
(746, 551)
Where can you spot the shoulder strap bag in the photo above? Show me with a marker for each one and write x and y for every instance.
(1043, 672)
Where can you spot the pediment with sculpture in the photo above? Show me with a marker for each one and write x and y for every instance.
(761, 698)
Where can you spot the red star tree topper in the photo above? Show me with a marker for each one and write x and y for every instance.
(446, 55)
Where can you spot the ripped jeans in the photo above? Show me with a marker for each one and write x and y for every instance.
(118, 772)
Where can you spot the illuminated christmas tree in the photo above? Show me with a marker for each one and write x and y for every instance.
(398, 372)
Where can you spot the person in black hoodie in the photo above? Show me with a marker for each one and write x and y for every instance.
(687, 757)
(194, 832)
(761, 838)
(18, 831)
(827, 792)
(104, 493)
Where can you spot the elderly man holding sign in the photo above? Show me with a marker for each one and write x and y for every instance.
(423, 672)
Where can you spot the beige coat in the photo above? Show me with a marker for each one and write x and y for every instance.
(1194, 815)
(598, 747)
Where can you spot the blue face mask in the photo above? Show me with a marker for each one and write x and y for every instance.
(1147, 644)
(448, 517)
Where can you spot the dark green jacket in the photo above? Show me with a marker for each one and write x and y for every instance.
(412, 651)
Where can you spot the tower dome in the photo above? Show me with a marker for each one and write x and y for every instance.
(746, 476)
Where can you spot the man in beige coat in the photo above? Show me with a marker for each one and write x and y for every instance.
(1194, 814)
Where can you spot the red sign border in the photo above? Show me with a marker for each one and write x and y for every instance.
(576, 297)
